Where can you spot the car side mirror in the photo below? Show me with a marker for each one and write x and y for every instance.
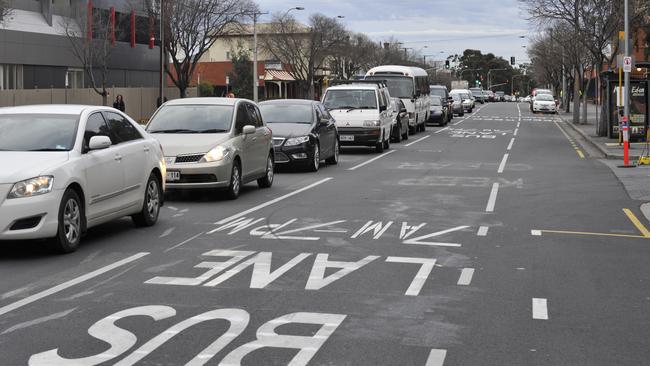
(402, 110)
(323, 121)
(99, 142)
(248, 130)
(382, 108)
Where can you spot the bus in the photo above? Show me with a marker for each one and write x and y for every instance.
(411, 85)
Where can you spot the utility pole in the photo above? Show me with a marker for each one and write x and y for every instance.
(255, 77)
(626, 99)
(161, 87)
(490, 79)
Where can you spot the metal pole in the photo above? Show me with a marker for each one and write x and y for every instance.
(255, 81)
(161, 87)
(626, 100)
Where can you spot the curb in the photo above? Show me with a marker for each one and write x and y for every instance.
(645, 209)
(588, 138)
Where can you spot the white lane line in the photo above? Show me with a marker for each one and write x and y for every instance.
(436, 357)
(482, 231)
(512, 141)
(58, 288)
(268, 203)
(442, 129)
(516, 130)
(418, 140)
(536, 232)
(502, 166)
(493, 198)
(167, 232)
(183, 242)
(466, 276)
(373, 159)
(518, 124)
(540, 309)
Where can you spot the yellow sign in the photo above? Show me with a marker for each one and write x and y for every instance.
(621, 35)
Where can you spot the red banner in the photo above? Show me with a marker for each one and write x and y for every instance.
(90, 21)
(132, 28)
(112, 25)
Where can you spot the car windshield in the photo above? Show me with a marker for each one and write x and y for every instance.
(350, 99)
(437, 91)
(38, 132)
(435, 101)
(398, 86)
(197, 118)
(456, 97)
(544, 97)
(287, 113)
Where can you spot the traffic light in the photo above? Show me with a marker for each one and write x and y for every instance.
(446, 64)
(512, 60)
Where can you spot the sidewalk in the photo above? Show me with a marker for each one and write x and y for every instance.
(635, 180)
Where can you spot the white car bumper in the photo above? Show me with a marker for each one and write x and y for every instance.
(15, 215)
(544, 108)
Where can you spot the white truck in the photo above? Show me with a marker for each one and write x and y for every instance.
(459, 84)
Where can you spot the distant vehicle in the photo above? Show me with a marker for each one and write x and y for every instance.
(411, 85)
(214, 143)
(491, 96)
(441, 91)
(77, 167)
(362, 113)
(499, 96)
(438, 113)
(400, 129)
(486, 96)
(457, 104)
(304, 133)
(508, 98)
(527, 99)
(537, 92)
(459, 84)
(478, 94)
(544, 103)
(467, 101)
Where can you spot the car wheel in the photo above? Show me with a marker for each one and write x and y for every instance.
(413, 130)
(148, 215)
(334, 159)
(71, 214)
(314, 164)
(234, 187)
(405, 135)
(267, 180)
(387, 144)
(398, 134)
(379, 146)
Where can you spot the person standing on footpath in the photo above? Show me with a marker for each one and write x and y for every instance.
(119, 103)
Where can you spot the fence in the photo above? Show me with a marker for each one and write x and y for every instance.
(140, 102)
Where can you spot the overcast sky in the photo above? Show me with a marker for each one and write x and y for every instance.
(450, 26)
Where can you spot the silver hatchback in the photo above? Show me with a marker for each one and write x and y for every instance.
(214, 143)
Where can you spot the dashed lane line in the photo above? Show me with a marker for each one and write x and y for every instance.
(465, 278)
(375, 158)
(418, 140)
(493, 198)
(183, 242)
(436, 357)
(502, 166)
(540, 309)
(482, 231)
(512, 141)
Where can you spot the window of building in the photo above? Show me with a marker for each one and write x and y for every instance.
(11, 76)
(74, 78)
(227, 55)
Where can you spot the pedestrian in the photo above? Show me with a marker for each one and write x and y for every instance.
(119, 103)
(230, 95)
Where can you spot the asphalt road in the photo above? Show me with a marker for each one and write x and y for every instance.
(492, 241)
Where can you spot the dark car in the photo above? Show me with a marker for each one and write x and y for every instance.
(304, 133)
(400, 130)
(478, 95)
(437, 114)
(448, 101)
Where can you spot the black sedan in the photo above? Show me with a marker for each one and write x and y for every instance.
(304, 133)
(437, 114)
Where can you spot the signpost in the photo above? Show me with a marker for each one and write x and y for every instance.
(627, 64)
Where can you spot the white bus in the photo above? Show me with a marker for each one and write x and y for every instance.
(411, 85)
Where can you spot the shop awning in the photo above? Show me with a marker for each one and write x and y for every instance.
(277, 75)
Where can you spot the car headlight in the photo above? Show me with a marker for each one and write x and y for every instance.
(32, 187)
(372, 123)
(216, 154)
(296, 141)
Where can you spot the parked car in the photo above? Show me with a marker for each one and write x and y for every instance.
(437, 115)
(527, 99)
(457, 105)
(214, 143)
(491, 96)
(304, 133)
(500, 96)
(72, 168)
(478, 95)
(441, 91)
(544, 103)
(537, 92)
(362, 113)
(400, 129)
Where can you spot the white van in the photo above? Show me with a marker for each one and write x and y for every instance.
(411, 85)
(362, 113)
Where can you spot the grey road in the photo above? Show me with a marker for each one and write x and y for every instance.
(493, 241)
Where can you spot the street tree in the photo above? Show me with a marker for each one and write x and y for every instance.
(241, 77)
(306, 49)
(90, 37)
(191, 27)
(477, 66)
(357, 54)
(5, 10)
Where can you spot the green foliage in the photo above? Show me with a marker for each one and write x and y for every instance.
(241, 77)
(206, 89)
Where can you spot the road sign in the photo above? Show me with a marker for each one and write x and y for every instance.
(627, 64)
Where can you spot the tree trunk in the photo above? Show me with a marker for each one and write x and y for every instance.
(182, 91)
(576, 97)
(105, 98)
(584, 102)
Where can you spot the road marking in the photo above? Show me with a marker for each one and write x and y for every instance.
(540, 310)
(482, 231)
(167, 232)
(516, 131)
(573, 144)
(183, 242)
(536, 232)
(58, 288)
(642, 229)
(375, 158)
(540, 232)
(518, 124)
(420, 139)
(512, 141)
(493, 198)
(442, 129)
(502, 166)
(466, 276)
(268, 203)
(436, 357)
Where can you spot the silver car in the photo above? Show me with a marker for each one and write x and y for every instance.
(214, 143)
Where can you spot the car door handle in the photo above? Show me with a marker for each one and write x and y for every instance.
(118, 157)
(146, 149)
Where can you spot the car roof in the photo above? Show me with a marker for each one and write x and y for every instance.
(356, 86)
(290, 101)
(206, 101)
(437, 87)
(408, 70)
(51, 109)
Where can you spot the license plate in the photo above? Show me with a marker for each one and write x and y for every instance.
(347, 137)
(173, 176)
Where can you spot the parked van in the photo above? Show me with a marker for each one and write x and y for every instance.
(411, 85)
(362, 113)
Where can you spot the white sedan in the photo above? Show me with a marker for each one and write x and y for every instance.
(544, 103)
(67, 168)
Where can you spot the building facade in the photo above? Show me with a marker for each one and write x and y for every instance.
(35, 53)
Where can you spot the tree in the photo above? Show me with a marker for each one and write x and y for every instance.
(90, 36)
(304, 49)
(191, 27)
(5, 10)
(478, 66)
(241, 77)
(357, 54)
